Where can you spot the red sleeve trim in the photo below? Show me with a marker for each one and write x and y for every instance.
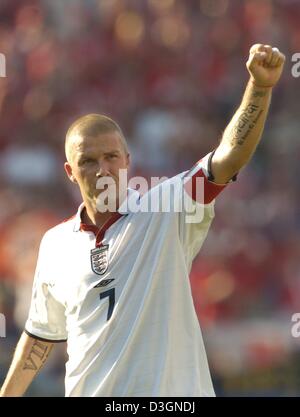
(210, 192)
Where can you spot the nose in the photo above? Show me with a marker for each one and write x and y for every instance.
(103, 169)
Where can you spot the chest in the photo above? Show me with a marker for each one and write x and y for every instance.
(133, 246)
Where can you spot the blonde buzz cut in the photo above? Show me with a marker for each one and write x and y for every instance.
(93, 125)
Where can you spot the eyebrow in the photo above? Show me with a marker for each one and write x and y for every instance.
(88, 155)
(109, 152)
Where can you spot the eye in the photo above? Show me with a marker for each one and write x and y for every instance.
(112, 156)
(86, 161)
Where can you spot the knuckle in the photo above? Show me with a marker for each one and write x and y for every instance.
(255, 47)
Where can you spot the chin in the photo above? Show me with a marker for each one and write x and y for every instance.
(106, 203)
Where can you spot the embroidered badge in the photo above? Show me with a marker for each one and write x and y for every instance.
(99, 259)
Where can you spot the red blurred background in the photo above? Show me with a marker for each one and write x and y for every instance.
(171, 73)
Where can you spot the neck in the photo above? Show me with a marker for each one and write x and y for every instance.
(92, 216)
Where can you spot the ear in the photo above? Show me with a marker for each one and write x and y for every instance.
(128, 160)
(69, 172)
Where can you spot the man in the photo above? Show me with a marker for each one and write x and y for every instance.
(115, 284)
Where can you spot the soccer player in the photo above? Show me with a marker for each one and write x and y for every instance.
(115, 284)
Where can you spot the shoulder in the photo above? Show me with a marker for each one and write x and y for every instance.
(59, 233)
(163, 195)
(165, 182)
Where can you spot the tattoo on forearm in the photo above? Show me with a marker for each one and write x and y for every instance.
(37, 356)
(256, 94)
(245, 123)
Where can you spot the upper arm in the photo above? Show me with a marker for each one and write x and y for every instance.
(222, 168)
(46, 319)
(194, 225)
(28, 341)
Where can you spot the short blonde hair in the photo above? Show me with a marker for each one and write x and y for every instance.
(93, 125)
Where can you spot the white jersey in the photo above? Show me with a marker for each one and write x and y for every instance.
(122, 300)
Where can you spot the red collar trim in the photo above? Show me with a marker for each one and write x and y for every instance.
(100, 232)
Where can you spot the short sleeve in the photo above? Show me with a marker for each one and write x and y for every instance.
(46, 319)
(199, 194)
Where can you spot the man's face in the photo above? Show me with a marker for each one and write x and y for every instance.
(93, 158)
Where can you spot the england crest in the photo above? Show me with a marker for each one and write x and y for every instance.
(99, 259)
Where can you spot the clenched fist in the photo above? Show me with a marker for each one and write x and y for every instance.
(265, 65)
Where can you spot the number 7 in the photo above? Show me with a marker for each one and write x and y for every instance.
(111, 298)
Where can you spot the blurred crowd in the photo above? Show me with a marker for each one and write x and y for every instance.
(171, 73)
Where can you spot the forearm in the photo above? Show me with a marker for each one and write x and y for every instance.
(242, 134)
(30, 356)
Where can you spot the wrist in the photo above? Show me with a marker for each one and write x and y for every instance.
(255, 84)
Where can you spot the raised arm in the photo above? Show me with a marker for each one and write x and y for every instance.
(30, 356)
(242, 135)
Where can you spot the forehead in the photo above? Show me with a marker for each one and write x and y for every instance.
(102, 143)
